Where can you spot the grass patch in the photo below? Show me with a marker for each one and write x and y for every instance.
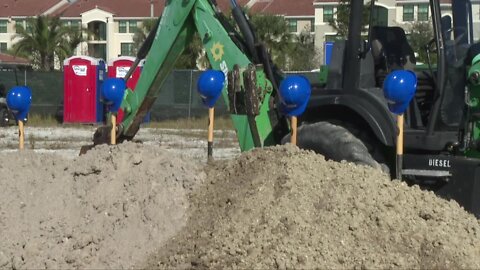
(222, 122)
(37, 120)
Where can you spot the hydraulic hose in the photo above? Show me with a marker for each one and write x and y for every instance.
(245, 29)
(143, 51)
(234, 35)
(147, 44)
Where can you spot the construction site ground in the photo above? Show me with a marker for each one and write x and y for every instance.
(158, 203)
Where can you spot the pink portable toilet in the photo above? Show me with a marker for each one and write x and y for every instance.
(83, 78)
(118, 68)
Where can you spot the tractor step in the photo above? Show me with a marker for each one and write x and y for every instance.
(431, 173)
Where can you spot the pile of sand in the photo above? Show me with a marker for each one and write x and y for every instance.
(107, 209)
(133, 205)
(285, 208)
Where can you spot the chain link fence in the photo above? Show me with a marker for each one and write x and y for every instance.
(177, 99)
(47, 88)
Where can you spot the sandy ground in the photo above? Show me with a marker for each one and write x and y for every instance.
(66, 141)
(159, 204)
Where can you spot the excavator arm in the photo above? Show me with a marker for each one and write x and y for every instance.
(250, 89)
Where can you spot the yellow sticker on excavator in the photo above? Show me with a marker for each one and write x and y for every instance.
(217, 51)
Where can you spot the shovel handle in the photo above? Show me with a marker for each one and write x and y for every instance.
(211, 117)
(399, 157)
(113, 134)
(293, 123)
(21, 135)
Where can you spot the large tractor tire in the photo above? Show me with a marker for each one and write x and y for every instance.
(336, 143)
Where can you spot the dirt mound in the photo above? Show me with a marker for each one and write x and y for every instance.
(285, 208)
(107, 209)
(135, 205)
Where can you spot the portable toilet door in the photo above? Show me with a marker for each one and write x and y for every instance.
(328, 47)
(118, 68)
(83, 78)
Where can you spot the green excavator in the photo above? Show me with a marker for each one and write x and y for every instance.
(347, 117)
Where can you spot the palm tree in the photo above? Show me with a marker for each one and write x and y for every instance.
(190, 58)
(46, 38)
(142, 32)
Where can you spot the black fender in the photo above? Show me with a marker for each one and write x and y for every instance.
(370, 105)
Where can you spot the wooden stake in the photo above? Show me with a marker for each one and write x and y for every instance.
(399, 146)
(21, 135)
(113, 134)
(293, 137)
(211, 115)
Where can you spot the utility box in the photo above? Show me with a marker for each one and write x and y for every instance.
(83, 79)
(118, 68)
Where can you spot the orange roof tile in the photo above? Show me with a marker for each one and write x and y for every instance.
(25, 8)
(12, 60)
(119, 8)
(285, 7)
(225, 5)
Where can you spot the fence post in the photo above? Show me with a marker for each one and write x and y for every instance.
(190, 94)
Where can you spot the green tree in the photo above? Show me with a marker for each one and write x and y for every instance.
(340, 24)
(191, 57)
(142, 32)
(303, 56)
(46, 38)
(273, 31)
(420, 34)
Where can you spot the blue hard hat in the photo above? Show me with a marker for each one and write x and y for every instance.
(19, 99)
(294, 95)
(210, 85)
(399, 88)
(113, 90)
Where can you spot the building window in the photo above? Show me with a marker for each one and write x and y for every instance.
(126, 49)
(122, 26)
(75, 24)
(292, 26)
(132, 26)
(127, 26)
(312, 25)
(19, 23)
(3, 47)
(3, 26)
(24, 24)
(72, 23)
(327, 14)
(423, 12)
(408, 13)
(380, 16)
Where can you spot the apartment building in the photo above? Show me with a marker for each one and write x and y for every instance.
(113, 23)
(388, 12)
(14, 12)
(300, 14)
